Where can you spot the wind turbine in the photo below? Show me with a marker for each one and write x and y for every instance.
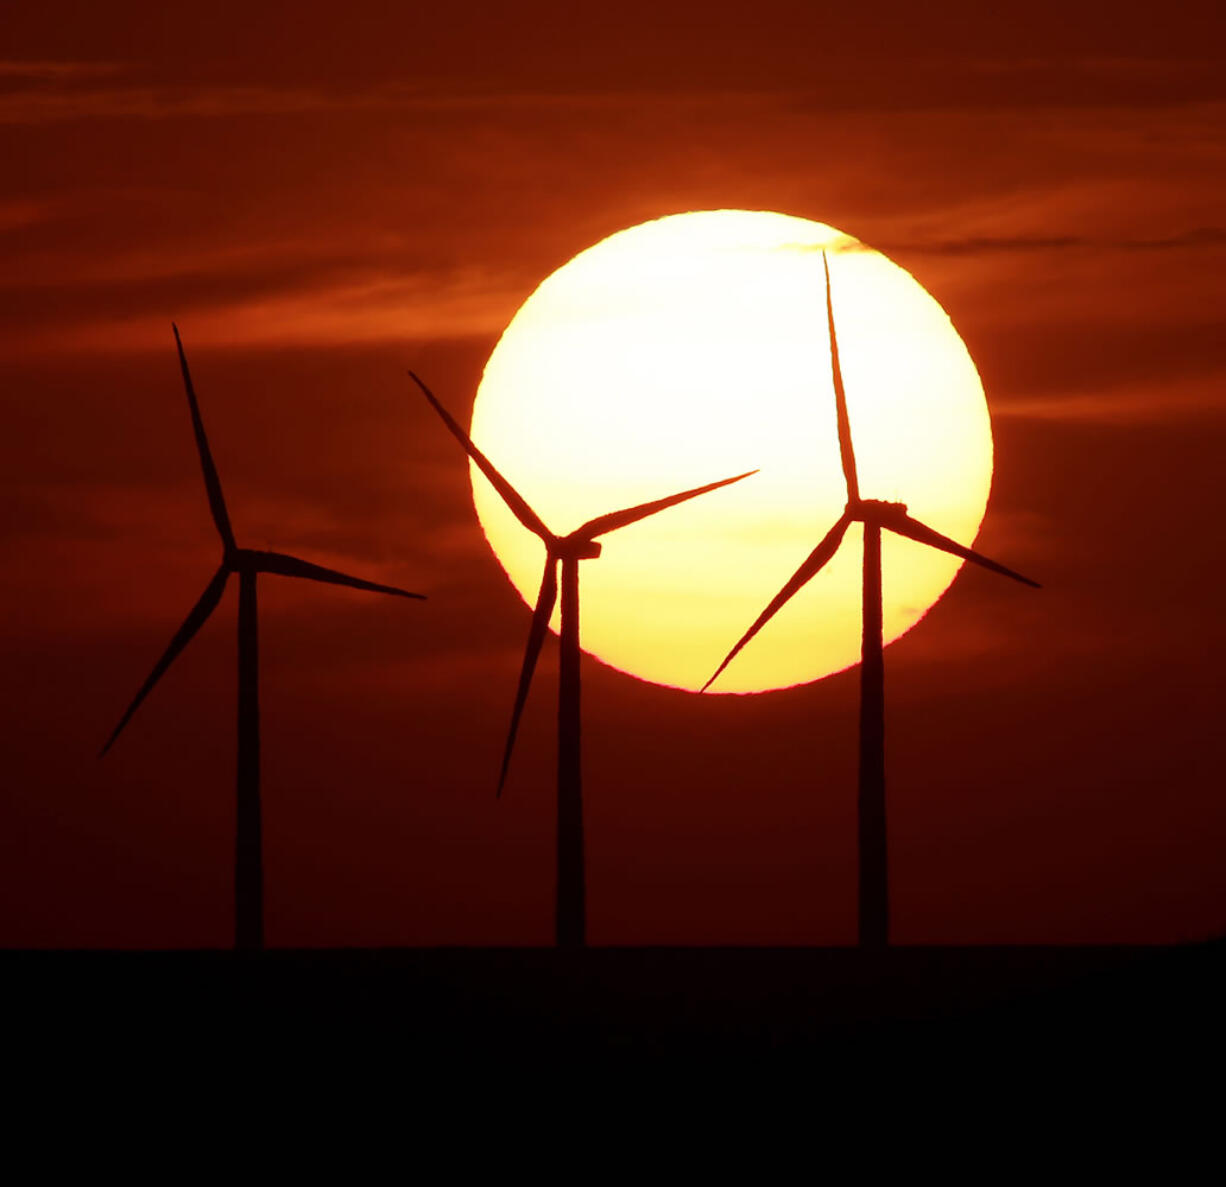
(570, 919)
(247, 564)
(874, 899)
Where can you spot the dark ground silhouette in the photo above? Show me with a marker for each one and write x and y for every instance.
(693, 1001)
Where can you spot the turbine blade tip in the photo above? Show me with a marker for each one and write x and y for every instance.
(110, 742)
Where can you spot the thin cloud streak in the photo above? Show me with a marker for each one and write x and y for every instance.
(65, 91)
(464, 304)
(18, 214)
(1196, 237)
(49, 71)
(1108, 67)
(32, 107)
(41, 105)
(1127, 408)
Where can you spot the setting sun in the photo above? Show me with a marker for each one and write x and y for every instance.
(694, 347)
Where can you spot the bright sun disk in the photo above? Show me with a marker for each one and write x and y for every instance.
(692, 348)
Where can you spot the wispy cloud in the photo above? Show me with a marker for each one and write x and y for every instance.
(51, 99)
(39, 92)
(973, 245)
(464, 303)
(1125, 405)
(47, 71)
(1196, 237)
(42, 106)
(1092, 66)
(22, 213)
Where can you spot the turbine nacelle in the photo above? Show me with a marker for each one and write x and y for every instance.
(877, 511)
(575, 548)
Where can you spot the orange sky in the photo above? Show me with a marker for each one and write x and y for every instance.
(322, 205)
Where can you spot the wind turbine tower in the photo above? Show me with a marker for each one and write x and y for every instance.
(570, 921)
(876, 516)
(247, 564)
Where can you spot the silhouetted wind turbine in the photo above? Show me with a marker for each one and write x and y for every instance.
(248, 854)
(874, 900)
(570, 920)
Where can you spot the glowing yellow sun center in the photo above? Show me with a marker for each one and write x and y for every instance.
(695, 347)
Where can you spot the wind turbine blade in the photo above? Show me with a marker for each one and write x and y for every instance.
(620, 519)
(840, 398)
(291, 566)
(536, 638)
(510, 495)
(183, 636)
(813, 563)
(212, 484)
(922, 534)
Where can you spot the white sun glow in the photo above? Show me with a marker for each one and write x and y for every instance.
(693, 348)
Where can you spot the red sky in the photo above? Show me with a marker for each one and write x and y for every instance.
(324, 195)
